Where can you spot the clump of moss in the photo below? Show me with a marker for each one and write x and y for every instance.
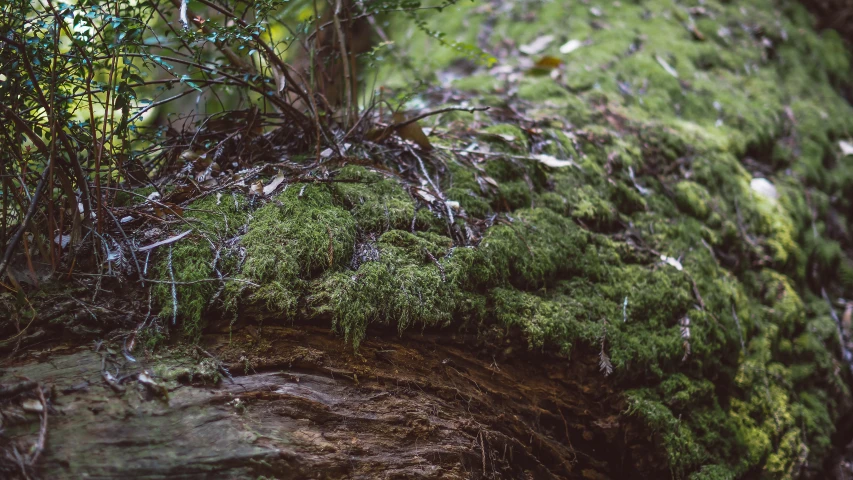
(476, 83)
(534, 248)
(377, 203)
(196, 262)
(412, 282)
(299, 235)
(693, 199)
(506, 137)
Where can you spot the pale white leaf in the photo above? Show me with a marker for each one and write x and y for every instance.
(763, 187)
(846, 147)
(672, 261)
(570, 46)
(278, 180)
(165, 242)
(64, 240)
(426, 196)
(279, 79)
(553, 161)
(490, 180)
(32, 405)
(537, 45)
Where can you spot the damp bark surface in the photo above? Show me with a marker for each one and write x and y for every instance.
(300, 404)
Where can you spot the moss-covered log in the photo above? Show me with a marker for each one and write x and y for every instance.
(646, 251)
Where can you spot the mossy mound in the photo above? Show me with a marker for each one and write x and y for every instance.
(705, 294)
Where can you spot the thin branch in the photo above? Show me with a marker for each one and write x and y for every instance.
(438, 112)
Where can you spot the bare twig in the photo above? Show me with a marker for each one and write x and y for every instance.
(39, 446)
(437, 112)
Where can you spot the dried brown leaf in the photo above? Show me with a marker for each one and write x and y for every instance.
(412, 132)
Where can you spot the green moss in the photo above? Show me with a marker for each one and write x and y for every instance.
(506, 137)
(376, 203)
(413, 281)
(692, 199)
(726, 358)
(196, 262)
(135, 196)
(559, 322)
(535, 248)
(475, 191)
(544, 91)
(302, 234)
(476, 83)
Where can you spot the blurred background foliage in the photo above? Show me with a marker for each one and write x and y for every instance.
(97, 96)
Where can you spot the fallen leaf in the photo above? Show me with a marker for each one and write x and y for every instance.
(378, 135)
(490, 180)
(426, 196)
(666, 66)
(537, 45)
(763, 187)
(545, 65)
(273, 184)
(846, 147)
(163, 210)
(675, 263)
(412, 132)
(553, 161)
(570, 46)
(548, 63)
(32, 405)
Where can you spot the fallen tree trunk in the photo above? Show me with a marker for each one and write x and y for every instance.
(299, 404)
(637, 264)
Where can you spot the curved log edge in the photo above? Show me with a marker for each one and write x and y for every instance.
(301, 404)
